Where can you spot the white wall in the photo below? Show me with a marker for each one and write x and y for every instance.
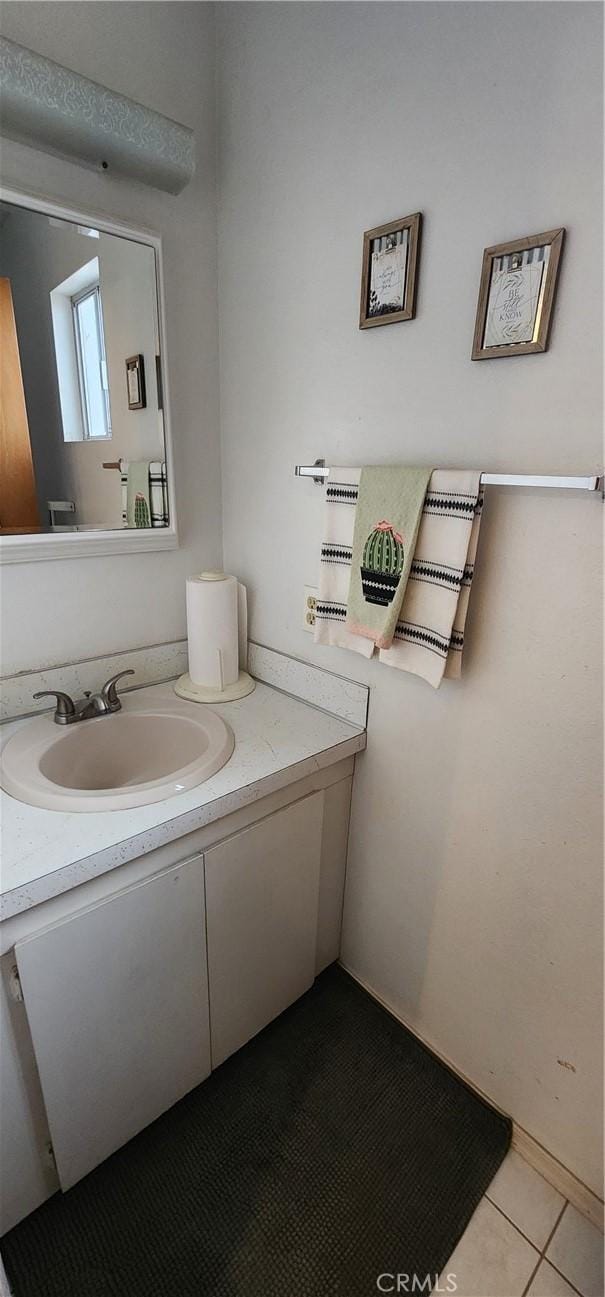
(163, 55)
(128, 291)
(474, 886)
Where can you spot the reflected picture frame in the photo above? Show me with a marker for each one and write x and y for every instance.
(516, 296)
(389, 272)
(135, 383)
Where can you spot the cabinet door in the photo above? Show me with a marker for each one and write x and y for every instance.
(117, 1004)
(27, 1175)
(261, 912)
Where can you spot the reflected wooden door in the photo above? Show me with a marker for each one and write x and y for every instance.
(18, 503)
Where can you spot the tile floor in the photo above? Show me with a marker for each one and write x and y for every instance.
(525, 1240)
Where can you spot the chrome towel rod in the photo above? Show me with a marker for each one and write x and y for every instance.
(320, 473)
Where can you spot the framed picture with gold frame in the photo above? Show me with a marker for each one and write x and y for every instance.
(516, 295)
(388, 272)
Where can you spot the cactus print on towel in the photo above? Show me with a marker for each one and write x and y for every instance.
(141, 511)
(382, 551)
(382, 563)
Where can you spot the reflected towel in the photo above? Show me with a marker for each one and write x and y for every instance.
(146, 479)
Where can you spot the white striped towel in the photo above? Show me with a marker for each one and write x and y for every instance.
(342, 489)
(429, 638)
(158, 492)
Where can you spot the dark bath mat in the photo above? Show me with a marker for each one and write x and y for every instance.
(330, 1150)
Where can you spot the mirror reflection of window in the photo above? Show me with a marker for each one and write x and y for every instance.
(92, 364)
(81, 361)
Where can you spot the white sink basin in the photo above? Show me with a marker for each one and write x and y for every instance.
(143, 753)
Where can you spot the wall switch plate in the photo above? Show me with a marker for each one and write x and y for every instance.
(311, 596)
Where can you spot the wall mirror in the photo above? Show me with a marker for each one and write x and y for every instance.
(85, 463)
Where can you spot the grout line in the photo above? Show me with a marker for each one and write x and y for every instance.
(556, 1225)
(514, 1225)
(540, 1252)
(542, 1255)
(563, 1276)
(532, 1277)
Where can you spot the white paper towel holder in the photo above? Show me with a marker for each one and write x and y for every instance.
(185, 687)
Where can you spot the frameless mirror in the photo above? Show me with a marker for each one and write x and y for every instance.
(81, 418)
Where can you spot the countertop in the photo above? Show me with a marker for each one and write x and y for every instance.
(278, 740)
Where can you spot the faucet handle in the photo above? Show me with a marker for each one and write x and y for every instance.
(110, 693)
(65, 708)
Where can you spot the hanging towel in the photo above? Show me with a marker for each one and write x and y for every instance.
(144, 493)
(429, 635)
(387, 519)
(341, 492)
(453, 496)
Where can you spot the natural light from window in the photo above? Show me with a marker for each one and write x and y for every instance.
(92, 365)
(77, 318)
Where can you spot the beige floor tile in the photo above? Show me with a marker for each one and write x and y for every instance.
(492, 1259)
(549, 1283)
(576, 1250)
(526, 1198)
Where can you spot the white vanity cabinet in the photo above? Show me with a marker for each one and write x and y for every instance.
(262, 890)
(121, 994)
(117, 1005)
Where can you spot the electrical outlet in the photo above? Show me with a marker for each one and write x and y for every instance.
(311, 594)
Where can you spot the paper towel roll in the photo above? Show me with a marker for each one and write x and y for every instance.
(212, 629)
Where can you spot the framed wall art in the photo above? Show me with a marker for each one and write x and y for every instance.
(516, 295)
(135, 379)
(389, 271)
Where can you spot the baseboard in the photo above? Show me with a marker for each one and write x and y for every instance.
(561, 1178)
(548, 1166)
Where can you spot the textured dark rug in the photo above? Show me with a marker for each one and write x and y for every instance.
(331, 1150)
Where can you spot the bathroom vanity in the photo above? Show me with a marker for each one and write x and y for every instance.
(141, 947)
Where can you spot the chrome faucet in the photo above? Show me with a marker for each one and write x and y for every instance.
(102, 704)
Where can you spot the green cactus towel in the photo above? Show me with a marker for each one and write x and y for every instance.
(138, 504)
(388, 515)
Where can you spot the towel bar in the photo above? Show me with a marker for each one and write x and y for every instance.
(320, 473)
